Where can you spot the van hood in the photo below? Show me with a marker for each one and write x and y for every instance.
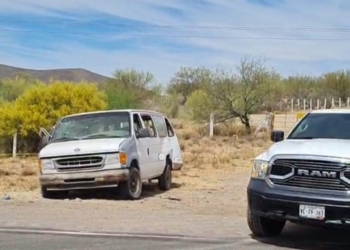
(315, 147)
(94, 146)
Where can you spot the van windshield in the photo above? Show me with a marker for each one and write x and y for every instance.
(93, 126)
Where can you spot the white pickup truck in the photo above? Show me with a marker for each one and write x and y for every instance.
(103, 149)
(304, 177)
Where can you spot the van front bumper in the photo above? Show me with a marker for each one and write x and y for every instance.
(83, 180)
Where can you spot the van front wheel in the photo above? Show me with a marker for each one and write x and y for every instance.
(132, 188)
(53, 194)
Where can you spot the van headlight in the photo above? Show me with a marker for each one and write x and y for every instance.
(45, 164)
(112, 159)
(260, 169)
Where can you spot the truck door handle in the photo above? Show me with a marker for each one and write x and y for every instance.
(148, 151)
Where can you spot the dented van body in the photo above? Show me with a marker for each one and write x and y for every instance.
(104, 149)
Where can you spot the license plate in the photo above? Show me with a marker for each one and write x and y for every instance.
(312, 212)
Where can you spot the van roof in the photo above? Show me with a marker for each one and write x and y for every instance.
(118, 110)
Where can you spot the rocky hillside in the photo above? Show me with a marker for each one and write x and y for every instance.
(74, 75)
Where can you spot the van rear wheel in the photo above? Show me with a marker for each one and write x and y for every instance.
(164, 181)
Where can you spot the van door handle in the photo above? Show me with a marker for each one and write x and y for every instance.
(148, 151)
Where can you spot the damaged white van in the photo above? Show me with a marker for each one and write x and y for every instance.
(104, 149)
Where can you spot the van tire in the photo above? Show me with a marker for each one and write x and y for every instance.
(164, 181)
(131, 189)
(53, 194)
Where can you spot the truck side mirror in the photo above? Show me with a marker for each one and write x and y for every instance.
(277, 135)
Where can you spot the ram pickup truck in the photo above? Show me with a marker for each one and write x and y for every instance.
(303, 177)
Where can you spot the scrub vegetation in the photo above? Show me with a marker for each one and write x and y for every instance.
(231, 95)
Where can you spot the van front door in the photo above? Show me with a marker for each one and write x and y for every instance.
(142, 145)
(154, 145)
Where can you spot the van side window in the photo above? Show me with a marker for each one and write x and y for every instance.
(160, 125)
(147, 120)
(137, 122)
(169, 128)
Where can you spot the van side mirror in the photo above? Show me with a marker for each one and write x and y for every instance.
(143, 133)
(277, 135)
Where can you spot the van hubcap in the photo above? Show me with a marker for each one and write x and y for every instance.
(134, 184)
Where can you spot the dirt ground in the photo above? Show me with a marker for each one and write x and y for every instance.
(208, 196)
(215, 210)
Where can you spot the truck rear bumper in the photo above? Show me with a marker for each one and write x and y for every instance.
(83, 180)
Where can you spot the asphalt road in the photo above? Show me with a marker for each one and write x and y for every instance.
(28, 241)
(294, 238)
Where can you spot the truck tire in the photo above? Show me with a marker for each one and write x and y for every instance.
(264, 227)
(53, 194)
(131, 189)
(164, 181)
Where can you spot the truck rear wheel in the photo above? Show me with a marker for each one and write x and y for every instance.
(264, 227)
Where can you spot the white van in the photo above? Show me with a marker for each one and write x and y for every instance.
(114, 148)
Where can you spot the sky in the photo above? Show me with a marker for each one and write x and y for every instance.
(295, 36)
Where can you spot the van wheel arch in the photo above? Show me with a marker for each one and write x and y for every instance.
(168, 160)
(134, 163)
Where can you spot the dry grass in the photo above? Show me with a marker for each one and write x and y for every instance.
(18, 175)
(204, 158)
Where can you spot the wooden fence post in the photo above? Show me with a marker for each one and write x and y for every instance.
(211, 125)
(14, 146)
